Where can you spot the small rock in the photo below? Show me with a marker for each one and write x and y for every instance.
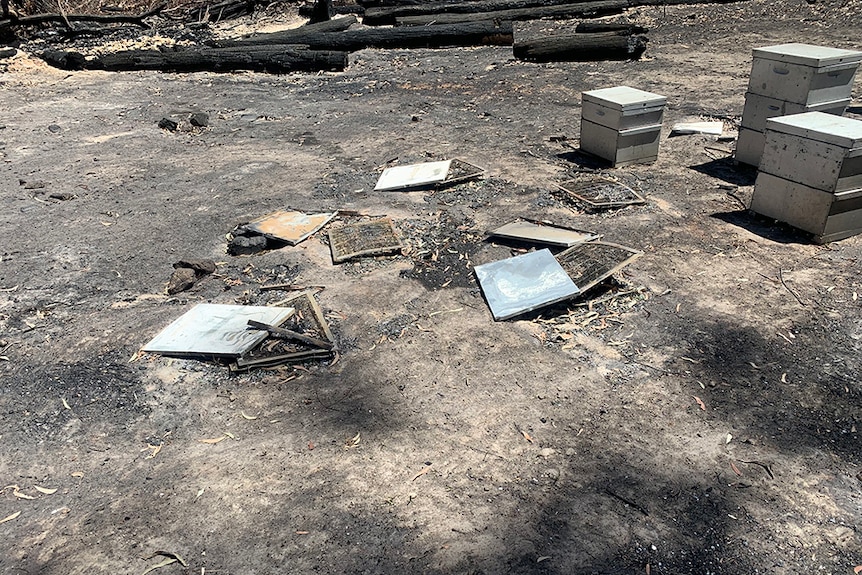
(62, 196)
(37, 185)
(168, 124)
(7, 52)
(54, 129)
(181, 280)
(200, 119)
(547, 452)
(245, 245)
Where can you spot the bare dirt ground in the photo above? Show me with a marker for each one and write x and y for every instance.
(702, 416)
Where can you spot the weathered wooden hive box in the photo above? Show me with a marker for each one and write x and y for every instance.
(622, 124)
(793, 79)
(810, 175)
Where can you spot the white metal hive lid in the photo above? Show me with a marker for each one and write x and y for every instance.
(808, 55)
(624, 98)
(829, 128)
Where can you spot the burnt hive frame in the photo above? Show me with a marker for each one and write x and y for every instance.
(370, 238)
(590, 263)
(601, 193)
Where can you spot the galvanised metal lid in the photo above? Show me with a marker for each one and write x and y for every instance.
(808, 55)
(828, 128)
(624, 98)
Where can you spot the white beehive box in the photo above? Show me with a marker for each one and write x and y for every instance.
(749, 146)
(622, 124)
(803, 73)
(758, 109)
(810, 174)
(815, 149)
(829, 217)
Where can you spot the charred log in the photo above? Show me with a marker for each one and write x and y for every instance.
(463, 34)
(620, 28)
(321, 11)
(484, 33)
(272, 59)
(490, 9)
(501, 9)
(565, 12)
(581, 48)
(294, 36)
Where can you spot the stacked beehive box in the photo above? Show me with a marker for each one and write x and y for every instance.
(810, 175)
(792, 79)
(622, 124)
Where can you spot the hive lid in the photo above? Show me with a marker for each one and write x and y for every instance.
(829, 128)
(624, 98)
(216, 330)
(808, 55)
(523, 283)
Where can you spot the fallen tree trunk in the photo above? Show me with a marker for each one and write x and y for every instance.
(616, 27)
(272, 59)
(484, 33)
(581, 48)
(501, 8)
(388, 16)
(67, 19)
(563, 12)
(321, 11)
(293, 36)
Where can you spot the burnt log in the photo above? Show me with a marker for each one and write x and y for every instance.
(483, 33)
(581, 48)
(563, 12)
(272, 59)
(620, 28)
(493, 9)
(501, 9)
(321, 11)
(64, 59)
(293, 36)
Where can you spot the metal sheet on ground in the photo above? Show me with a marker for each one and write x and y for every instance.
(524, 283)
(528, 231)
(290, 226)
(413, 175)
(216, 330)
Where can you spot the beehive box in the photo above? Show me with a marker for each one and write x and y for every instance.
(810, 174)
(815, 149)
(749, 146)
(803, 73)
(622, 124)
(758, 109)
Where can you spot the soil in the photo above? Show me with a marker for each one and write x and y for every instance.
(699, 413)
